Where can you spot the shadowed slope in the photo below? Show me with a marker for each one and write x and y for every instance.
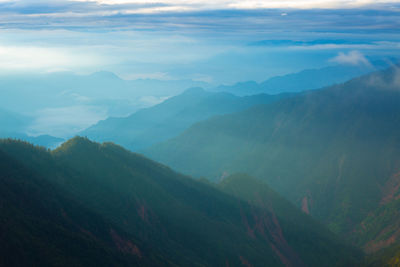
(184, 221)
(41, 225)
(334, 151)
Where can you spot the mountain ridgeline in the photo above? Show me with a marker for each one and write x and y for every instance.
(90, 204)
(15, 125)
(309, 79)
(334, 152)
(152, 125)
(100, 89)
(42, 225)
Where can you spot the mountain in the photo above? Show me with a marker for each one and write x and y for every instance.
(166, 120)
(381, 227)
(13, 121)
(333, 152)
(61, 89)
(41, 225)
(15, 125)
(66, 103)
(47, 141)
(152, 214)
(385, 258)
(258, 194)
(308, 79)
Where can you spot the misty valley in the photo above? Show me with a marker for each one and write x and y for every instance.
(199, 133)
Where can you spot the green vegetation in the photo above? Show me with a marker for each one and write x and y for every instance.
(98, 204)
(292, 221)
(333, 152)
(41, 225)
(388, 257)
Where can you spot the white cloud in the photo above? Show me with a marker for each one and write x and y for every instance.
(184, 5)
(27, 58)
(133, 55)
(351, 58)
(305, 4)
(66, 121)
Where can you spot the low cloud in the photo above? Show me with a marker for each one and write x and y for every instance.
(66, 121)
(148, 101)
(182, 5)
(388, 81)
(45, 58)
(351, 58)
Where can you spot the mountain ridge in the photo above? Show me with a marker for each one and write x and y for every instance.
(167, 119)
(184, 221)
(308, 79)
(338, 145)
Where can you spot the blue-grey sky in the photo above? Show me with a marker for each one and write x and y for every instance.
(221, 41)
(213, 41)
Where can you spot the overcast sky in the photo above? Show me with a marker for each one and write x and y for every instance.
(215, 41)
(218, 42)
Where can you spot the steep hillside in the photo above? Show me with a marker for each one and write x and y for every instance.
(184, 221)
(258, 194)
(333, 152)
(41, 225)
(388, 257)
(381, 227)
(166, 120)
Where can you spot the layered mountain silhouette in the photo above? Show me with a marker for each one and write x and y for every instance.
(13, 121)
(308, 79)
(15, 125)
(168, 119)
(63, 89)
(90, 204)
(333, 152)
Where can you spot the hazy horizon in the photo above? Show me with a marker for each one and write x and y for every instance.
(200, 133)
(211, 41)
